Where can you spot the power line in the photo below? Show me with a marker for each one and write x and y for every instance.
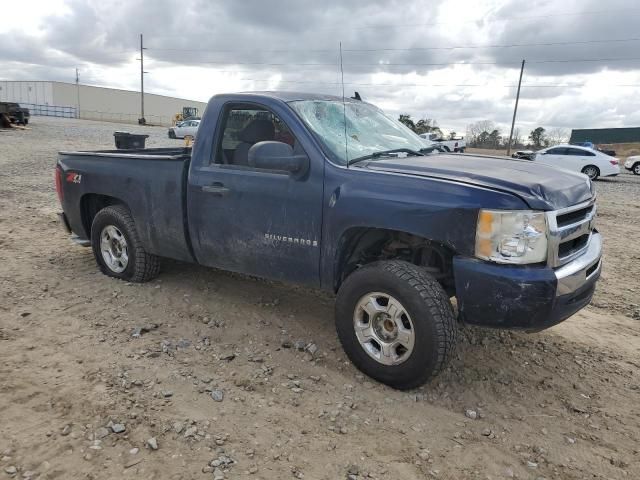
(280, 64)
(448, 85)
(449, 47)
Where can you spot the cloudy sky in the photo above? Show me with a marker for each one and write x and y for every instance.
(456, 61)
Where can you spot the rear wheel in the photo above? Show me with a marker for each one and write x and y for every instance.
(172, 134)
(395, 323)
(591, 171)
(117, 248)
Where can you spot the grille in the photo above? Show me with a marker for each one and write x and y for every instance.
(570, 232)
(573, 217)
(572, 246)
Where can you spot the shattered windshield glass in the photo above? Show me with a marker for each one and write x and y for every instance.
(369, 130)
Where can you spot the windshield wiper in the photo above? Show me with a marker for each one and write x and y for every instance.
(386, 153)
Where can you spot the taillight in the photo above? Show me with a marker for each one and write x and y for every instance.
(59, 183)
(614, 162)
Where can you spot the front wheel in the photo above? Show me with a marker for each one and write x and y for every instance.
(636, 169)
(591, 171)
(395, 323)
(117, 248)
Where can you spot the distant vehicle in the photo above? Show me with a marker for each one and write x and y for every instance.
(633, 164)
(183, 129)
(585, 144)
(611, 153)
(15, 112)
(454, 145)
(590, 145)
(591, 162)
(188, 113)
(525, 154)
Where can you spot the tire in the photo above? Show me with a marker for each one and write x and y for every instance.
(636, 168)
(429, 316)
(447, 149)
(591, 171)
(172, 134)
(109, 227)
(461, 150)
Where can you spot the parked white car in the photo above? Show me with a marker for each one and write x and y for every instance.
(182, 129)
(455, 145)
(633, 164)
(591, 162)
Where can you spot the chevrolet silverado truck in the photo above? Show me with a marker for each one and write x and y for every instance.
(331, 193)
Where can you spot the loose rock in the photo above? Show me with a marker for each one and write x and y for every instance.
(217, 395)
(152, 443)
(118, 428)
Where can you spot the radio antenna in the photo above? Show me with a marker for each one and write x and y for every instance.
(344, 109)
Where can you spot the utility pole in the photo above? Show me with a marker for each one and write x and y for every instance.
(78, 93)
(141, 120)
(515, 110)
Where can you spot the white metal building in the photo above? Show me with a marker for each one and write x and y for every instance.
(93, 103)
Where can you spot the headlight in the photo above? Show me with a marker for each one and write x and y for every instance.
(518, 236)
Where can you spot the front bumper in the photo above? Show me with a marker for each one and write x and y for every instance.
(521, 297)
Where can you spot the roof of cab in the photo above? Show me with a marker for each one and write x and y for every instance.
(286, 96)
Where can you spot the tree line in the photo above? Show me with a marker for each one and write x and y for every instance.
(485, 134)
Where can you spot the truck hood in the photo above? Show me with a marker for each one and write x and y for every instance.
(541, 186)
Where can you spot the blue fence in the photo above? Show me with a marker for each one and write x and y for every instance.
(50, 110)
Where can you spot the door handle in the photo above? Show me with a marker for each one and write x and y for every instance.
(217, 189)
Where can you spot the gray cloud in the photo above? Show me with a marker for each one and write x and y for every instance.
(299, 41)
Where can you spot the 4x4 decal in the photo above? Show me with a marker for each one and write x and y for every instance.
(73, 177)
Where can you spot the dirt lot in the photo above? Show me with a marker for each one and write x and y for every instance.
(561, 404)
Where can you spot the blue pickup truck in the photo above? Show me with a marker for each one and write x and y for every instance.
(333, 194)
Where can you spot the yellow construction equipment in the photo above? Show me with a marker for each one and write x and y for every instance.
(187, 112)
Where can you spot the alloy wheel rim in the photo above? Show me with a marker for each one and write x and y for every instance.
(384, 328)
(591, 172)
(113, 247)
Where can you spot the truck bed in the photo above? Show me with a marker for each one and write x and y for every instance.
(150, 182)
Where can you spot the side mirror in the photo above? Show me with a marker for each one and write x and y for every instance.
(279, 156)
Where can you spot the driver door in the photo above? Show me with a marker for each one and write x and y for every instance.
(250, 220)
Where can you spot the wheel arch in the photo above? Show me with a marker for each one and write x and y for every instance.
(359, 246)
(91, 204)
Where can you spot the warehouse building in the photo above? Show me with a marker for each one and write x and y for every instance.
(92, 103)
(606, 135)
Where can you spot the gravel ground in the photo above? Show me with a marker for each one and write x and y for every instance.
(197, 374)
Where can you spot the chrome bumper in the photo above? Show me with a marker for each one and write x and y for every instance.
(573, 275)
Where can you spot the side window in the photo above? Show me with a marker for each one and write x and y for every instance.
(243, 127)
(580, 153)
(557, 151)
